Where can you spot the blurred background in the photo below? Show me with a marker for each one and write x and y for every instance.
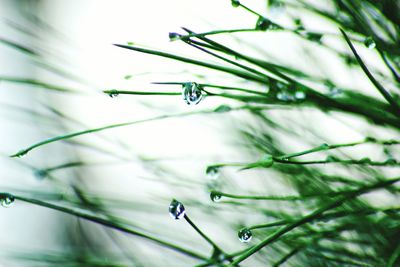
(56, 59)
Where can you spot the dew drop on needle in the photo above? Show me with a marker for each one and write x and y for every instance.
(192, 93)
(176, 210)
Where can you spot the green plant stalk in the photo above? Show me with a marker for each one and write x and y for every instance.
(341, 161)
(319, 148)
(265, 65)
(310, 217)
(110, 224)
(124, 92)
(203, 235)
(251, 70)
(242, 74)
(216, 32)
(378, 86)
(71, 135)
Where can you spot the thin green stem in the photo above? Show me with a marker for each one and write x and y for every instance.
(267, 225)
(239, 73)
(124, 92)
(378, 86)
(75, 134)
(110, 224)
(250, 10)
(212, 243)
(364, 161)
(216, 32)
(320, 148)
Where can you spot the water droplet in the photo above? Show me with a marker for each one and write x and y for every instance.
(335, 92)
(245, 235)
(176, 210)
(264, 24)
(20, 154)
(215, 196)
(314, 37)
(324, 146)
(222, 109)
(128, 77)
(192, 93)
(212, 172)
(266, 161)
(391, 161)
(365, 160)
(369, 42)
(113, 93)
(284, 96)
(40, 174)
(235, 3)
(173, 36)
(300, 95)
(6, 200)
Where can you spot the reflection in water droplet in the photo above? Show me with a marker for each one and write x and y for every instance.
(284, 96)
(245, 235)
(215, 196)
(300, 95)
(176, 210)
(369, 43)
(6, 200)
(192, 93)
(212, 172)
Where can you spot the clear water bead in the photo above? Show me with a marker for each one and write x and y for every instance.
(267, 161)
(215, 196)
(212, 172)
(245, 235)
(113, 93)
(192, 93)
(176, 210)
(369, 43)
(6, 200)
